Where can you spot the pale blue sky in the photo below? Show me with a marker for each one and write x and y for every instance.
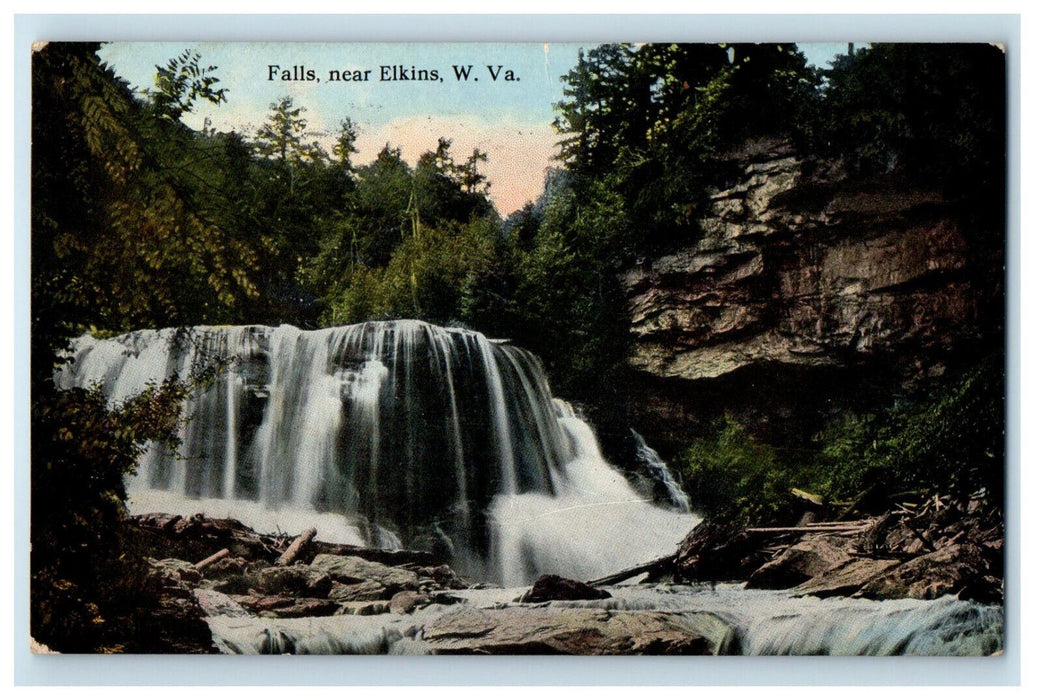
(509, 120)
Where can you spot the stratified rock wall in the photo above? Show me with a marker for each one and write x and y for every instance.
(801, 268)
(801, 265)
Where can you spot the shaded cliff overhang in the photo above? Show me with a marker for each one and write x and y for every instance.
(799, 265)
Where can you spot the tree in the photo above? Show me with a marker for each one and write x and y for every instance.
(130, 223)
(345, 143)
(648, 120)
(129, 228)
(181, 82)
(935, 113)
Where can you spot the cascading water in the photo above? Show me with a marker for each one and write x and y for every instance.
(659, 471)
(382, 433)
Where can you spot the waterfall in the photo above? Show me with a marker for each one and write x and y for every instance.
(661, 474)
(384, 433)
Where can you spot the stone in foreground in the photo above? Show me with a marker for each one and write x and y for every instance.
(551, 587)
(578, 631)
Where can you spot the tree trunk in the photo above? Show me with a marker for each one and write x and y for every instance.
(296, 547)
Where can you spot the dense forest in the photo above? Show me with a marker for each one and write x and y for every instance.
(140, 221)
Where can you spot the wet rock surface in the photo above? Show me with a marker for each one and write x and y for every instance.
(945, 548)
(343, 603)
(524, 630)
(550, 587)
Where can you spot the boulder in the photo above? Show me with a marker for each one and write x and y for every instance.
(801, 562)
(354, 592)
(304, 607)
(173, 572)
(583, 631)
(353, 570)
(405, 602)
(279, 606)
(847, 578)
(958, 569)
(718, 552)
(298, 580)
(227, 568)
(216, 603)
(552, 587)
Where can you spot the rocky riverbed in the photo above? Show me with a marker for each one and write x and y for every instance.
(929, 584)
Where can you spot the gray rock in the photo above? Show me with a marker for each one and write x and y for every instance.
(801, 562)
(299, 580)
(948, 571)
(551, 587)
(353, 570)
(847, 578)
(364, 591)
(406, 601)
(468, 630)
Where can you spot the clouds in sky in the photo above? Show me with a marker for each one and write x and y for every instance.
(508, 120)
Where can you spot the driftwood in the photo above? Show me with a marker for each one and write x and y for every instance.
(837, 529)
(296, 547)
(630, 573)
(213, 559)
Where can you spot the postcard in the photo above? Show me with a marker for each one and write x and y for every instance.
(518, 348)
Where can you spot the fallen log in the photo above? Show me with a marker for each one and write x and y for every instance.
(296, 547)
(631, 572)
(212, 559)
(809, 528)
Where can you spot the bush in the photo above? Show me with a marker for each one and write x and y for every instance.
(731, 476)
(949, 441)
(87, 583)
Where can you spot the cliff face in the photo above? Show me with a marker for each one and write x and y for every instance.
(805, 283)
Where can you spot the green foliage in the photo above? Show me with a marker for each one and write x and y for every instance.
(86, 583)
(181, 82)
(425, 277)
(933, 112)
(284, 136)
(949, 441)
(131, 225)
(952, 441)
(409, 242)
(648, 121)
(734, 477)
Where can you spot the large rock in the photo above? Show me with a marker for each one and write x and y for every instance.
(279, 606)
(358, 592)
(551, 587)
(406, 601)
(173, 572)
(468, 630)
(299, 580)
(354, 570)
(718, 552)
(959, 569)
(847, 578)
(799, 273)
(801, 562)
